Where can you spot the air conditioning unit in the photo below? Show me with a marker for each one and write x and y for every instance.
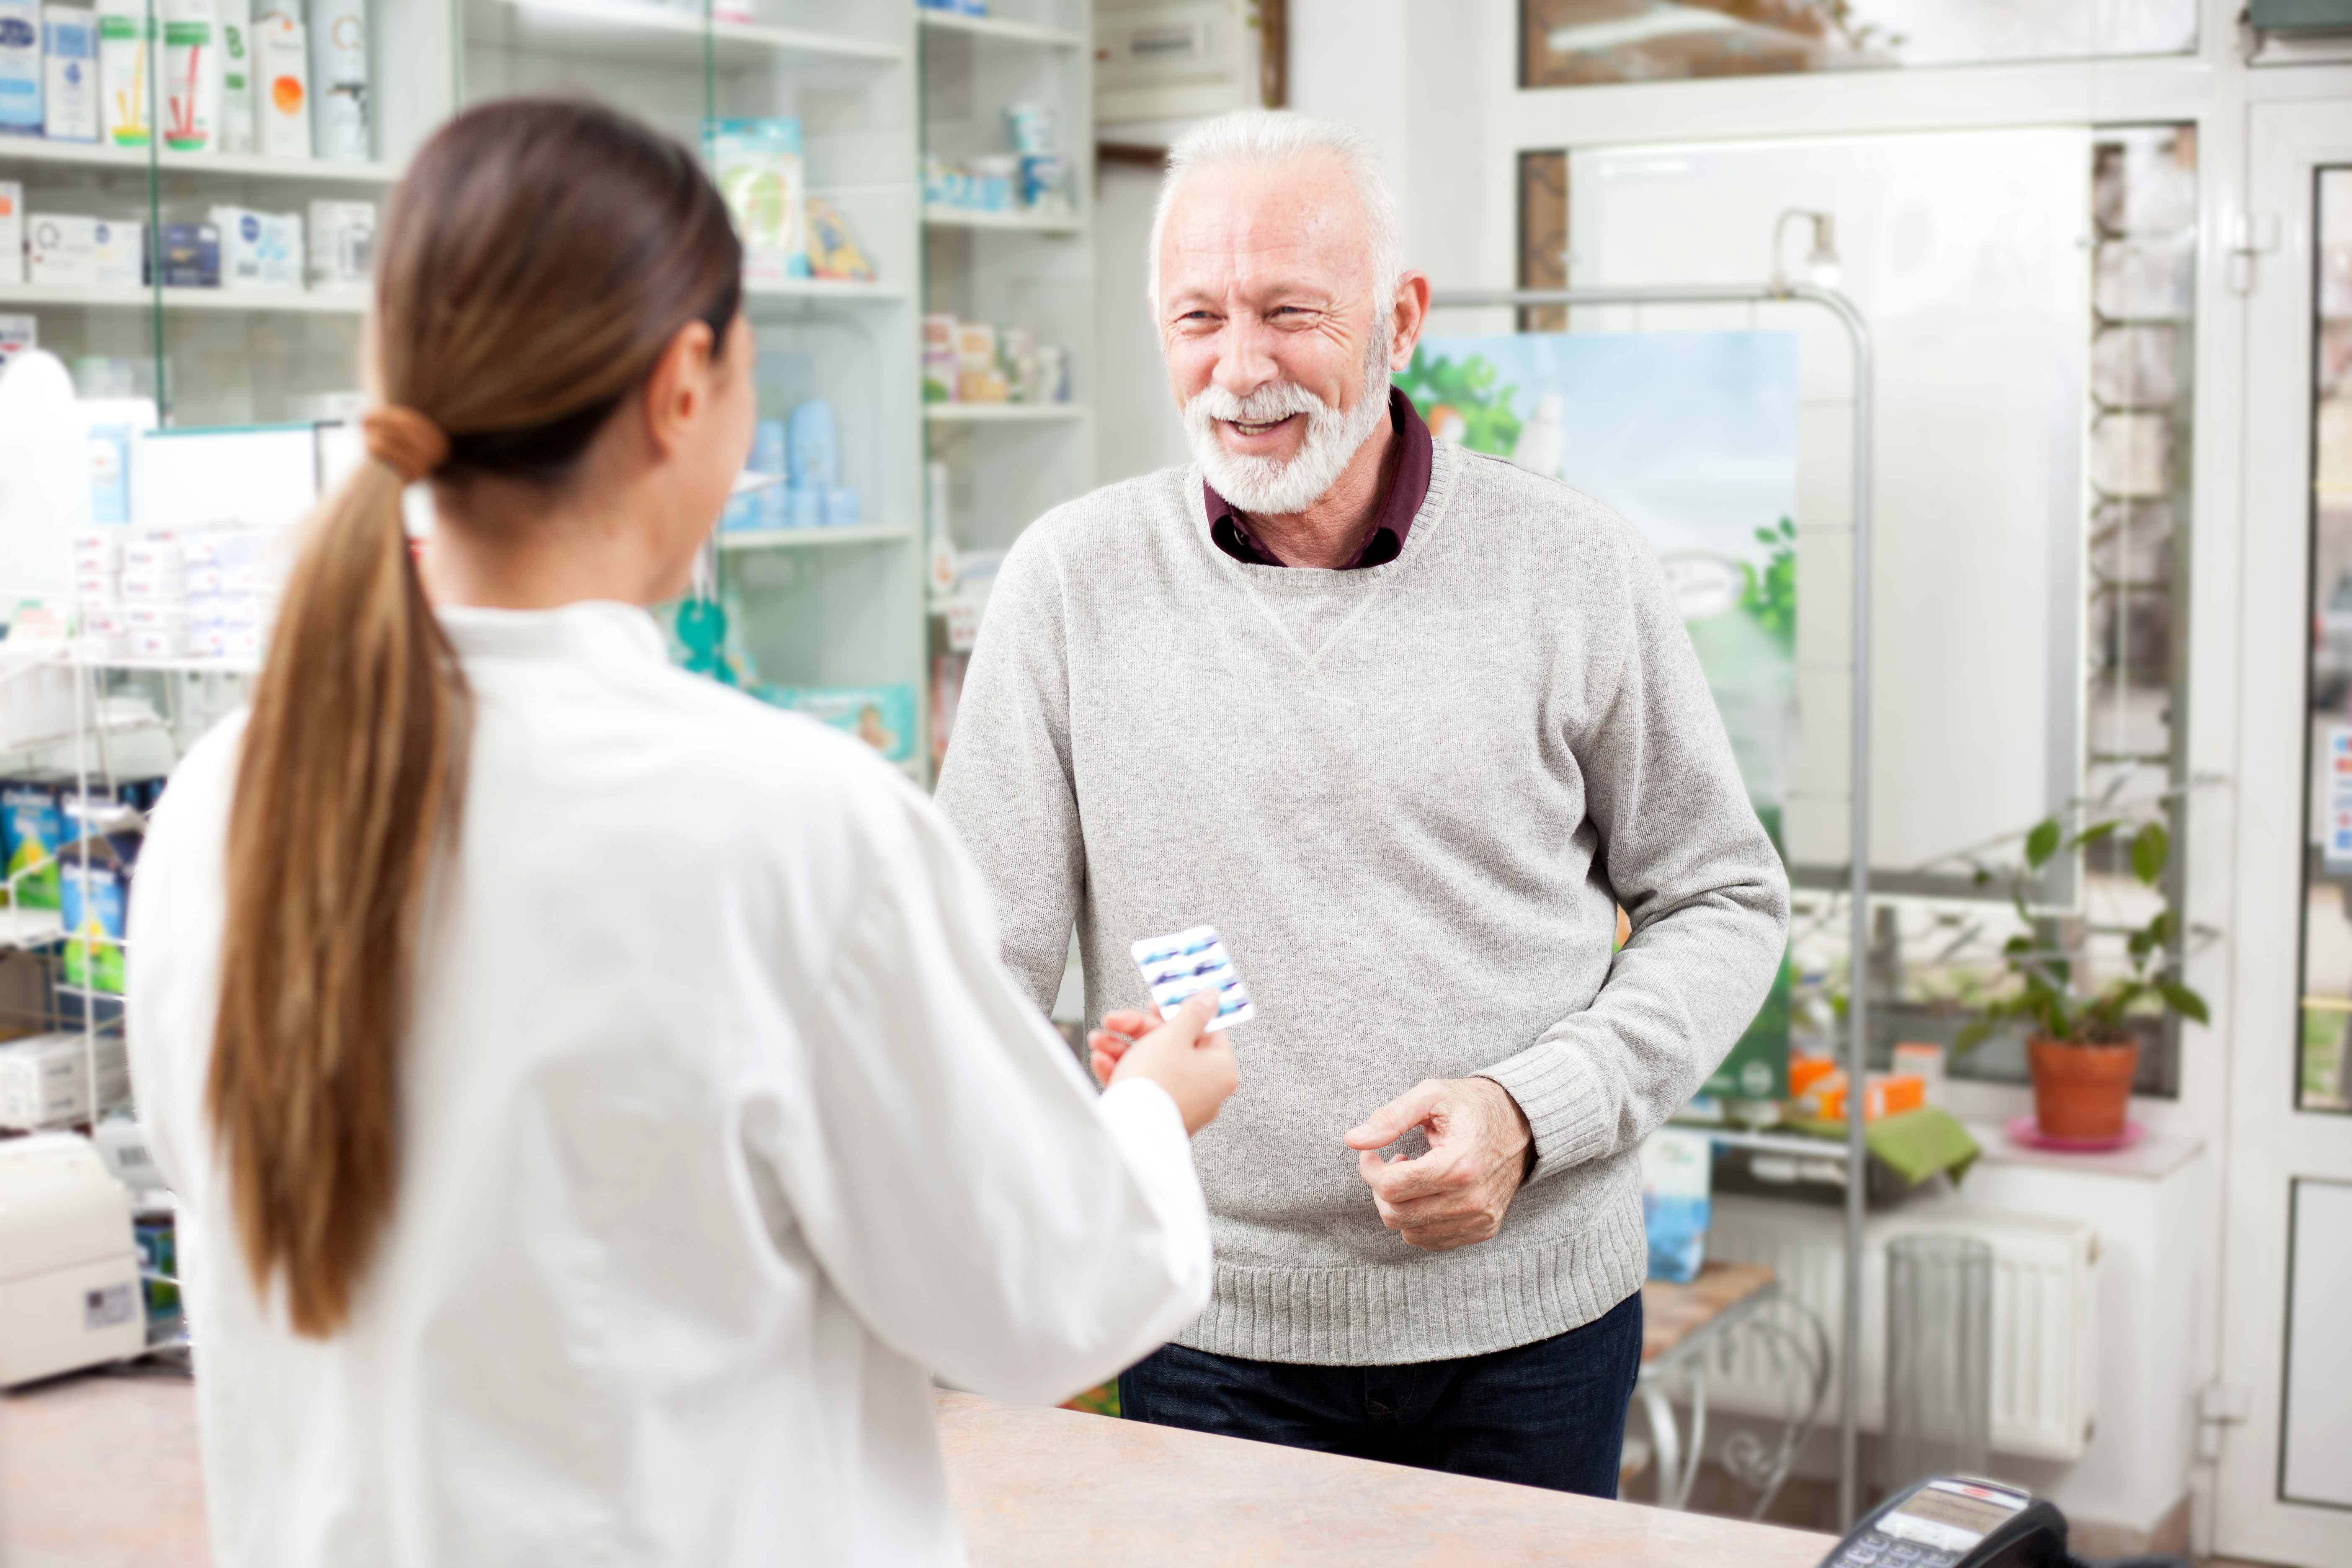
(2044, 1312)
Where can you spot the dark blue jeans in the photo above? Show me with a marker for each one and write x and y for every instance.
(1551, 1414)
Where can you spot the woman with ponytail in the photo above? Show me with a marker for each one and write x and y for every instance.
(593, 1099)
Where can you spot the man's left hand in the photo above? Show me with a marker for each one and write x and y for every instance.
(1455, 1193)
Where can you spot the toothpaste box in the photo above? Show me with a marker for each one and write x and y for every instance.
(101, 550)
(159, 641)
(154, 614)
(154, 583)
(164, 552)
(96, 586)
(95, 893)
(19, 334)
(242, 643)
(45, 1080)
(209, 642)
(207, 610)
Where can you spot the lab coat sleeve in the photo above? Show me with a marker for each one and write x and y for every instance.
(964, 1189)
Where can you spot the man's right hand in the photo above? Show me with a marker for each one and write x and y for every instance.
(1197, 1070)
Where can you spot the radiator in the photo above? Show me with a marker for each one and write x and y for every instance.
(2044, 1361)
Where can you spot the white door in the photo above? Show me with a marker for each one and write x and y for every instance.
(2284, 1490)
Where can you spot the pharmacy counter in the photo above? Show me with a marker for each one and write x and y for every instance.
(1040, 1486)
(100, 1469)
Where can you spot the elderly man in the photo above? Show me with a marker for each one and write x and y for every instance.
(1406, 724)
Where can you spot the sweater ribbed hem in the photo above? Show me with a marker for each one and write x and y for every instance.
(1435, 1308)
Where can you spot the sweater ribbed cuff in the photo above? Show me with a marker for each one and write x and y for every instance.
(1564, 1111)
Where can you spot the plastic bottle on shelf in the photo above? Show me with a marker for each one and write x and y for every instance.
(339, 80)
(191, 75)
(281, 78)
(235, 121)
(126, 45)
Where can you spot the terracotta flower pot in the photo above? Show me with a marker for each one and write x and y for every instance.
(2081, 1091)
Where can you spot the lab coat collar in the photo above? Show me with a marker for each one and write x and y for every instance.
(587, 628)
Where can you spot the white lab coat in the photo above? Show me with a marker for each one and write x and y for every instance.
(722, 1126)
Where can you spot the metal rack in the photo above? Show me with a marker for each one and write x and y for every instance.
(1857, 1014)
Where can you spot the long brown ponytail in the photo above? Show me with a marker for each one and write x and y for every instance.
(536, 259)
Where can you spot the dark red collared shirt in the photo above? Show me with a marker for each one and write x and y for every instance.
(1230, 528)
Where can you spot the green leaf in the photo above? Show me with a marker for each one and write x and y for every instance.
(1970, 1036)
(2097, 831)
(1983, 876)
(2018, 945)
(2184, 1001)
(2151, 847)
(2042, 843)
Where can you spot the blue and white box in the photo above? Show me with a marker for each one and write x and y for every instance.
(20, 68)
(69, 73)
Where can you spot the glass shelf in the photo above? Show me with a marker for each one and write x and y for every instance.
(645, 33)
(735, 539)
(1019, 222)
(1000, 412)
(1007, 29)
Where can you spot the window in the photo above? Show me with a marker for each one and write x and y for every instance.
(1582, 43)
(2323, 1082)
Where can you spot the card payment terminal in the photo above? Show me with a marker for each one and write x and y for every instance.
(1957, 1521)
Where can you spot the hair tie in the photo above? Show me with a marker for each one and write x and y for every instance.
(405, 441)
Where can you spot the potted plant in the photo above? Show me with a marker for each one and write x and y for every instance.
(2080, 1046)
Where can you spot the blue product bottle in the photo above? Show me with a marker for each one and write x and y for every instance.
(840, 506)
(814, 464)
(768, 448)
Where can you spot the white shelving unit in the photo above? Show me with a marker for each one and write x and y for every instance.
(1008, 463)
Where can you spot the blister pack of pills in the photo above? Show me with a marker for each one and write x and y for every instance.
(1176, 966)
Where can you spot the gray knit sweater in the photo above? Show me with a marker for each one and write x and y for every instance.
(1409, 796)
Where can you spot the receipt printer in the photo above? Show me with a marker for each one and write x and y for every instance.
(1957, 1522)
(69, 1293)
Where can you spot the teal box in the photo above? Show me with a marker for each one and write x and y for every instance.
(881, 716)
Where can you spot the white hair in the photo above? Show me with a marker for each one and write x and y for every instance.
(1268, 138)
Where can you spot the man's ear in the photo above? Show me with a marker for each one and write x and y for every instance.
(1408, 316)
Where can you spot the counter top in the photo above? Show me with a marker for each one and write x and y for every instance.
(1054, 1487)
(100, 1472)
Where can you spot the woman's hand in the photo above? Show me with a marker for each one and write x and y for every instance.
(1198, 1070)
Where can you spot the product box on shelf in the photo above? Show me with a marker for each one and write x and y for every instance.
(69, 73)
(939, 366)
(84, 252)
(32, 829)
(758, 168)
(20, 68)
(342, 243)
(881, 716)
(95, 892)
(834, 250)
(258, 249)
(192, 255)
(45, 1080)
(11, 236)
(281, 85)
(126, 50)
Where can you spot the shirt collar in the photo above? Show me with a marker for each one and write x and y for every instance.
(1229, 526)
(566, 630)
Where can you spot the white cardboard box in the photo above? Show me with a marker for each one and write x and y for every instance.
(83, 252)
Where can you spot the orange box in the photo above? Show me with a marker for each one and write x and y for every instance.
(1888, 1094)
(1804, 1072)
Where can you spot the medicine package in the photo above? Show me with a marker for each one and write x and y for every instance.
(1176, 966)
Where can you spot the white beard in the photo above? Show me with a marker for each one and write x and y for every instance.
(1272, 486)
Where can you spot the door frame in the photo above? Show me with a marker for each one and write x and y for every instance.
(2270, 1143)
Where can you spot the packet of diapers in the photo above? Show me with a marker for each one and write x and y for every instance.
(1176, 966)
